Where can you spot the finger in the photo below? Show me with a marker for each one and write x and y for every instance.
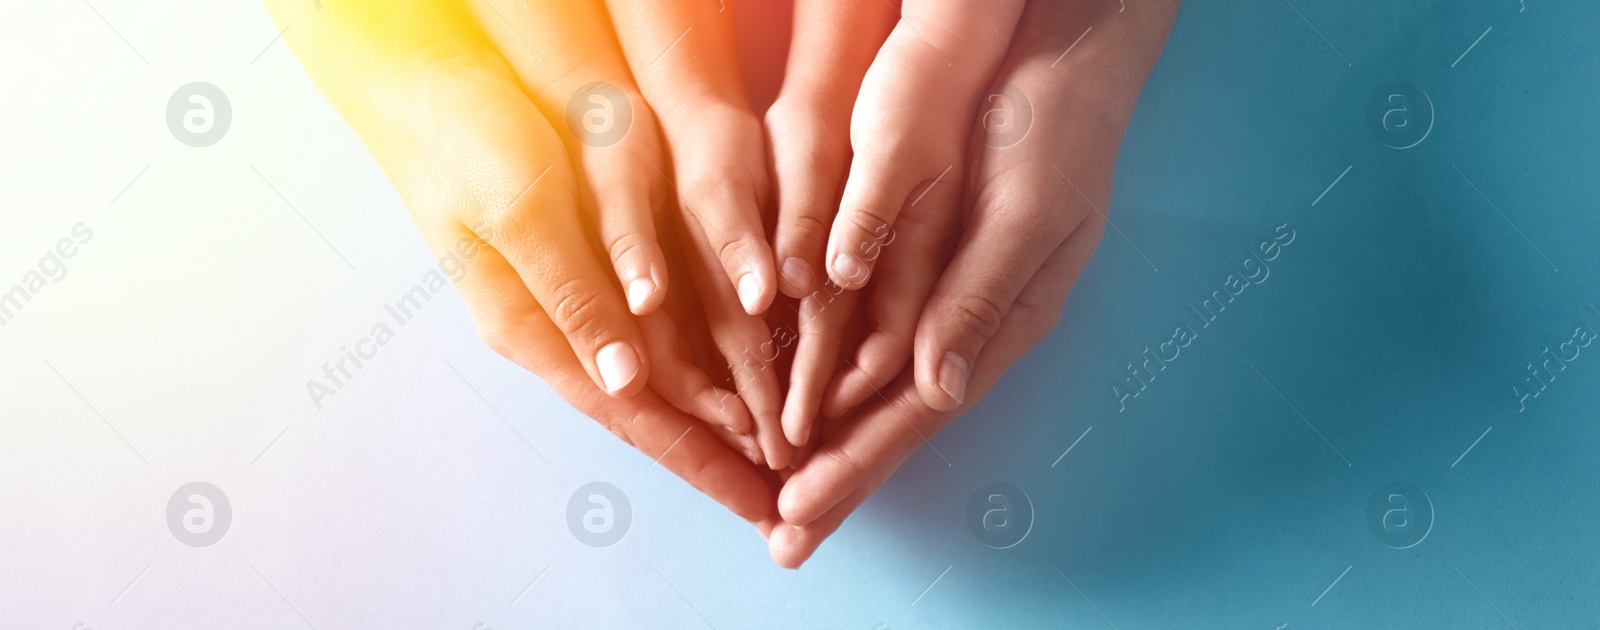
(910, 126)
(913, 257)
(512, 322)
(791, 546)
(1002, 248)
(428, 70)
(508, 169)
(823, 317)
(886, 433)
(542, 238)
(746, 343)
(684, 384)
(809, 157)
(684, 57)
(577, 76)
(808, 134)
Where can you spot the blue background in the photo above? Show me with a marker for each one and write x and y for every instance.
(1232, 493)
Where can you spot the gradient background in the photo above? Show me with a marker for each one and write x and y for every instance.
(220, 279)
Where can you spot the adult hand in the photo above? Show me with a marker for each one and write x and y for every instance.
(486, 178)
(1036, 217)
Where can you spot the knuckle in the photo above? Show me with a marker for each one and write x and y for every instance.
(1038, 318)
(734, 253)
(842, 461)
(802, 230)
(977, 316)
(577, 310)
(867, 219)
(628, 248)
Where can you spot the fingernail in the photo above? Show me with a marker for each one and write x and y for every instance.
(847, 266)
(750, 293)
(798, 273)
(953, 376)
(618, 365)
(638, 292)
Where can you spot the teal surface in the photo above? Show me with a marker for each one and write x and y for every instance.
(1233, 491)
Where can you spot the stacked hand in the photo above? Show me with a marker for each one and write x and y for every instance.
(931, 180)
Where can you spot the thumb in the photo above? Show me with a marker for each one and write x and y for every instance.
(998, 255)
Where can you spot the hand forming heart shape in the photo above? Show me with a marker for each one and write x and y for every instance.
(935, 176)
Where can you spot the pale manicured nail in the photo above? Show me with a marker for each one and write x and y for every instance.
(847, 266)
(750, 293)
(798, 273)
(618, 365)
(953, 376)
(639, 291)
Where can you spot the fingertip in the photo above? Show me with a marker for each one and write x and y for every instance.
(620, 366)
(794, 508)
(646, 292)
(950, 385)
(797, 280)
(796, 420)
(755, 295)
(779, 453)
(848, 270)
(784, 545)
(640, 292)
